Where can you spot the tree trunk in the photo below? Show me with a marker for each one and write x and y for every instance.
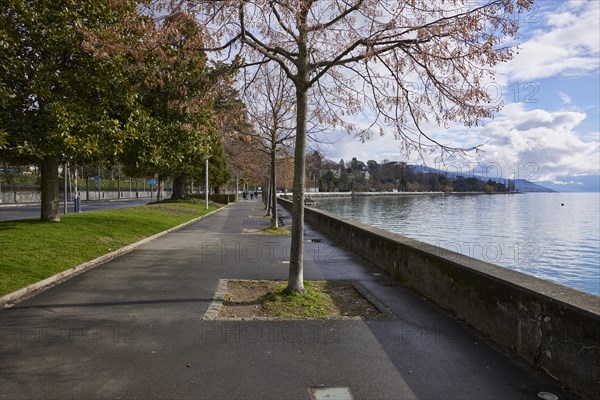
(267, 196)
(179, 188)
(50, 202)
(158, 189)
(273, 192)
(296, 275)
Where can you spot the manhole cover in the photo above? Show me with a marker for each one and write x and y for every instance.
(547, 396)
(341, 393)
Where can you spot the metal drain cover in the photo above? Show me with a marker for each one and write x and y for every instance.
(339, 393)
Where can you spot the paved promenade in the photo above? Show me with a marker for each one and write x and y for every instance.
(133, 328)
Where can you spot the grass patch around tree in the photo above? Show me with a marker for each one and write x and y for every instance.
(267, 299)
(315, 303)
(277, 231)
(32, 250)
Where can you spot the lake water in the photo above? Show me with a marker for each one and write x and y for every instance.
(554, 236)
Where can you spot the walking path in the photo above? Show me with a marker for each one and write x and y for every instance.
(133, 328)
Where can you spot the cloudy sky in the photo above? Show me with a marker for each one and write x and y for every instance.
(549, 128)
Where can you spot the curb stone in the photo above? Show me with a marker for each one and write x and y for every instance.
(10, 299)
(217, 302)
(386, 312)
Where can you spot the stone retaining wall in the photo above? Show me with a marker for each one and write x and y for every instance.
(552, 327)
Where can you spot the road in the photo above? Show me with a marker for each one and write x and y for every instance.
(10, 213)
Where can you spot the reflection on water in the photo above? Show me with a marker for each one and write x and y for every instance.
(555, 236)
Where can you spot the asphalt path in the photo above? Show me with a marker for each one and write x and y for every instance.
(11, 213)
(133, 328)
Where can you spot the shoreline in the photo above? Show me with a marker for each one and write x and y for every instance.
(375, 194)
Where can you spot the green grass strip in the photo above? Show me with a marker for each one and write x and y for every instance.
(277, 231)
(31, 250)
(315, 303)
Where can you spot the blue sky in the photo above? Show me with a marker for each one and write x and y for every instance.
(549, 128)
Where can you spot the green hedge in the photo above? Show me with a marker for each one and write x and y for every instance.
(216, 198)
(222, 198)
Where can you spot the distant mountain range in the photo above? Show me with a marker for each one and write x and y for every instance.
(522, 185)
(525, 186)
(583, 183)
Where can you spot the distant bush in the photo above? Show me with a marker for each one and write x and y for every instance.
(18, 179)
(222, 198)
(217, 198)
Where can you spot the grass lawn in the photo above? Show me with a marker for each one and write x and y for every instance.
(31, 250)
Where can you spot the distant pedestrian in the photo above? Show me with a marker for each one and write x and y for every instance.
(251, 196)
(245, 195)
(256, 194)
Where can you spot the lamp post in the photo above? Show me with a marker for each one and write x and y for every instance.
(206, 184)
(65, 172)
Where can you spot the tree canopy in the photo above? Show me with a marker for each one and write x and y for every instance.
(98, 82)
(409, 62)
(59, 102)
(271, 108)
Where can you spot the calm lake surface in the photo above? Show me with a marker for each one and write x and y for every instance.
(531, 233)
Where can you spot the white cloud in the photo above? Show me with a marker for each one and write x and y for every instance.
(556, 182)
(377, 148)
(533, 144)
(570, 47)
(543, 144)
(563, 19)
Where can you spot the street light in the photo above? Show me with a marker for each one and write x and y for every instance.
(206, 184)
(65, 172)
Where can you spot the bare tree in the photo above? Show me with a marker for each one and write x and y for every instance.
(271, 108)
(408, 61)
(245, 162)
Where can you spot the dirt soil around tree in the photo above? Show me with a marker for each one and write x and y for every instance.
(323, 300)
